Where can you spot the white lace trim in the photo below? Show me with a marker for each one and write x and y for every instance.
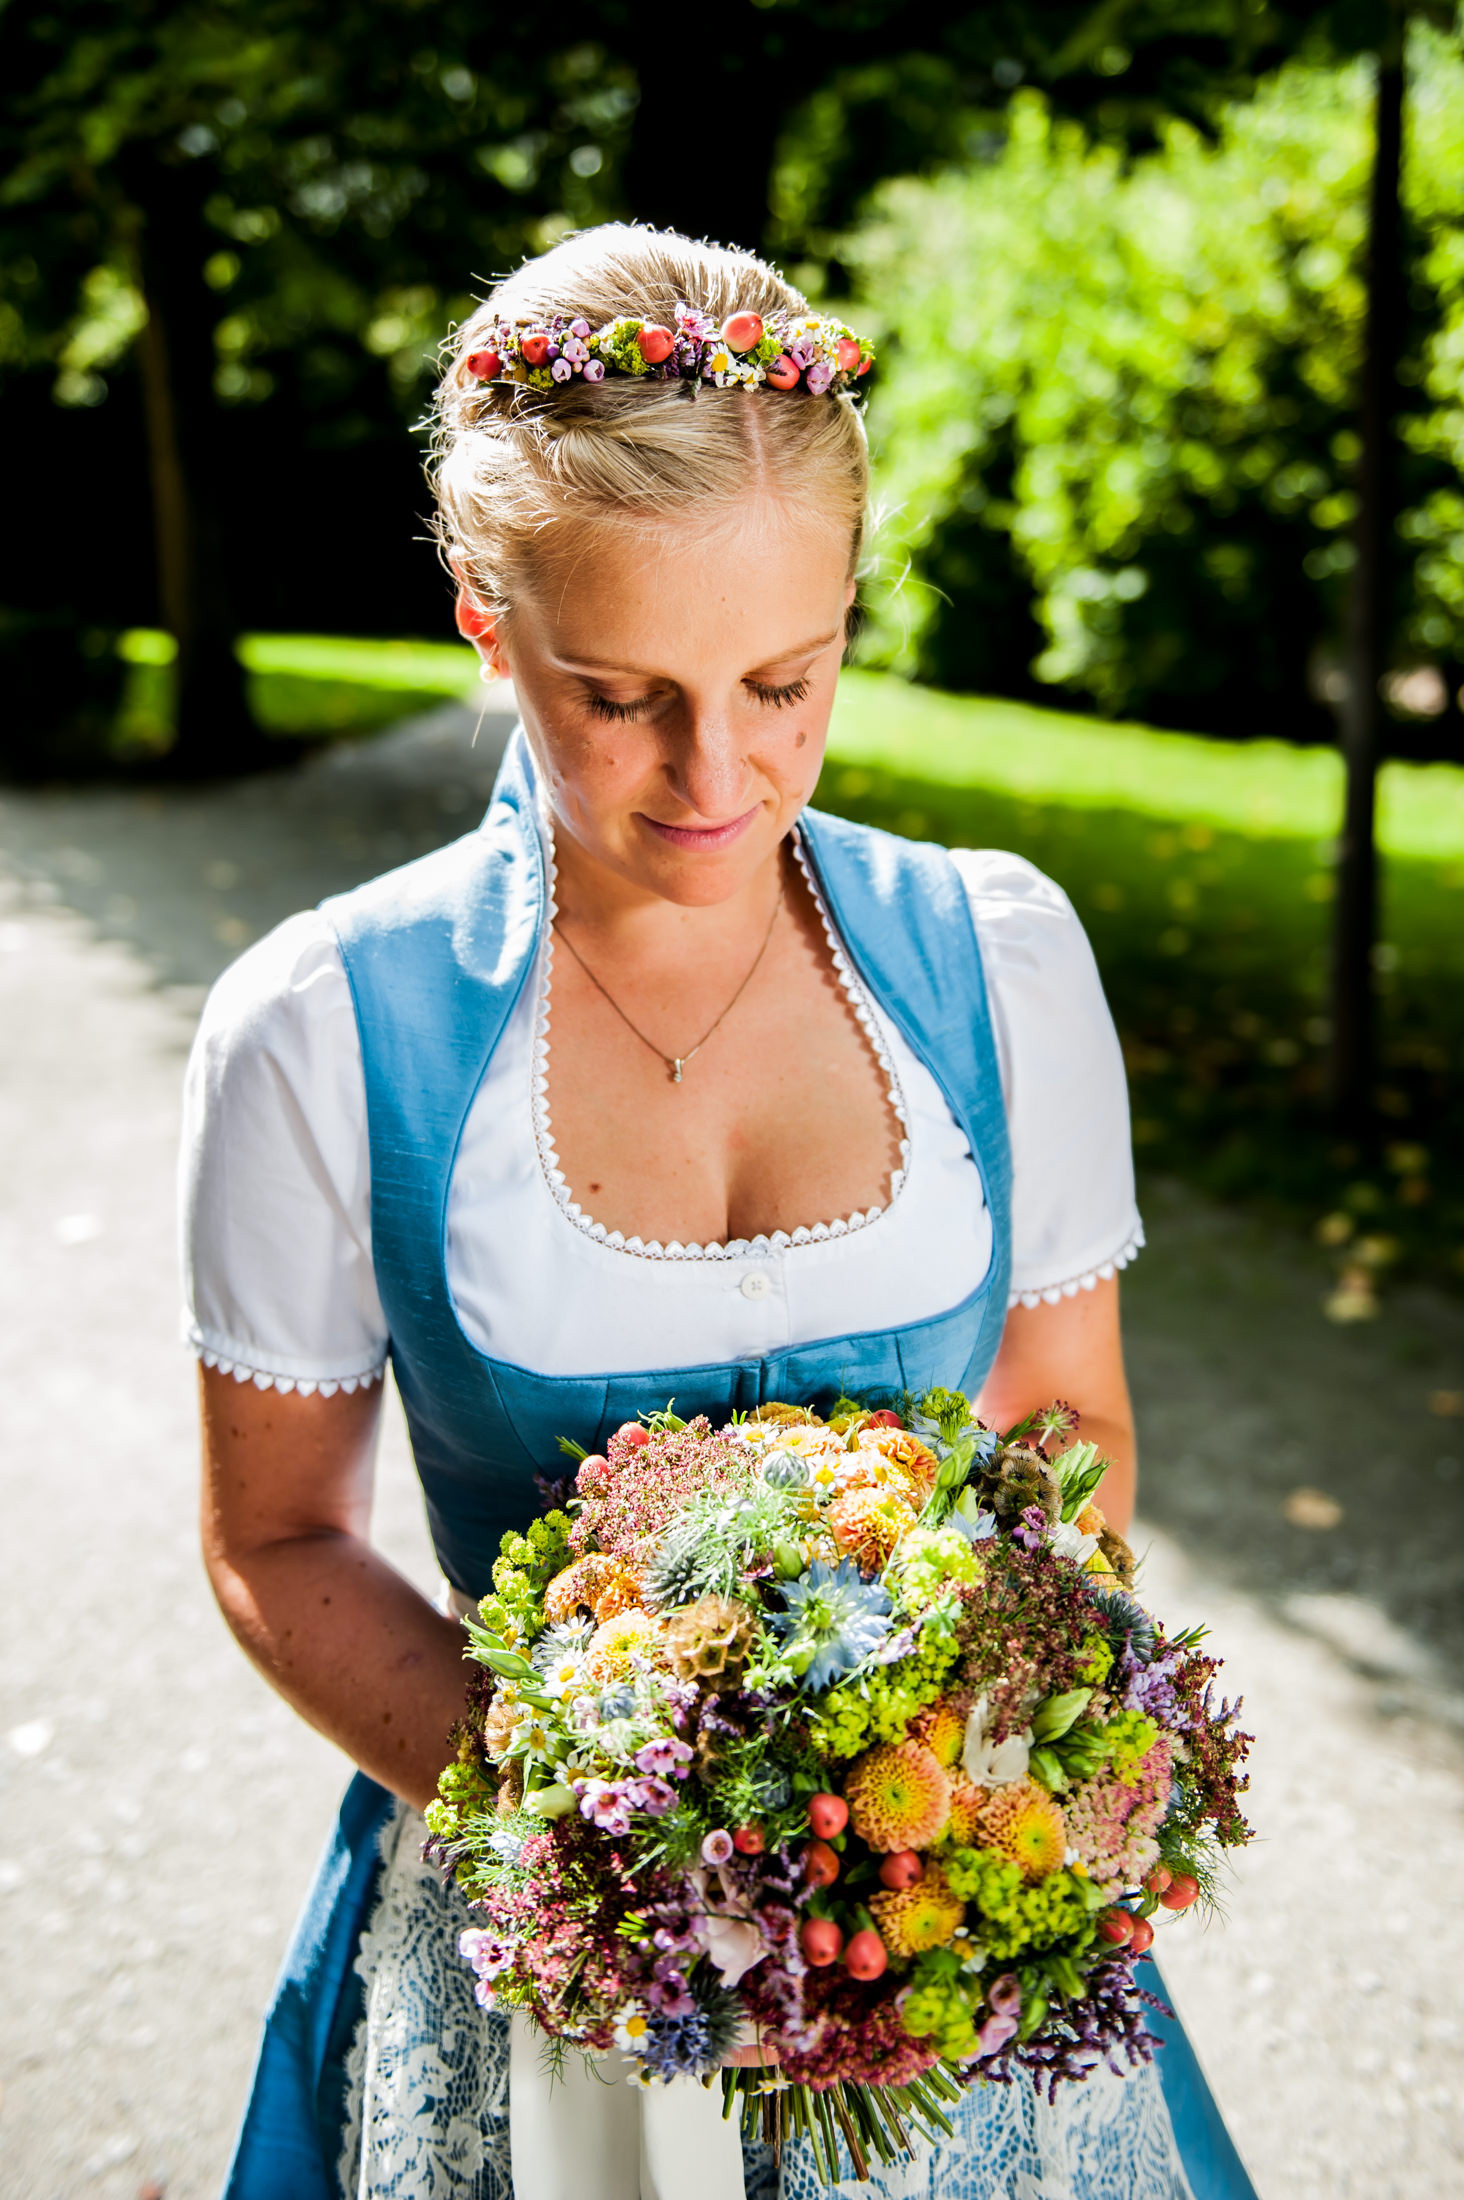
(1050, 1293)
(778, 1241)
(268, 1378)
(427, 2072)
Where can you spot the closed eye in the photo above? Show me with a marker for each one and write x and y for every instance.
(796, 691)
(604, 707)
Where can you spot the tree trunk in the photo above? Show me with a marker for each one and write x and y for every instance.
(1362, 721)
(214, 731)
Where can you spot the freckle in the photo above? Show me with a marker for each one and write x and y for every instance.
(325, 1600)
(800, 740)
(386, 1718)
(594, 1187)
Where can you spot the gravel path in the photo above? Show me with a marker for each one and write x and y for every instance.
(160, 1810)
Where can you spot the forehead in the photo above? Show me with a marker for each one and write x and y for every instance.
(754, 581)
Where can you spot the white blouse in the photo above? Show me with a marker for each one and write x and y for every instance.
(276, 1192)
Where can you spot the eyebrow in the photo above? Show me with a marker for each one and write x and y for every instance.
(643, 672)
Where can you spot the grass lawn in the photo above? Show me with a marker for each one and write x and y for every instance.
(1202, 870)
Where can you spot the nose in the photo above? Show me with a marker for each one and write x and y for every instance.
(707, 767)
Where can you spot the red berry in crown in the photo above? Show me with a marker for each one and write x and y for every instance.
(742, 331)
(484, 364)
(535, 350)
(784, 373)
(655, 344)
(849, 352)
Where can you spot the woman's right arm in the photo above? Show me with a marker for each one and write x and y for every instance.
(343, 1637)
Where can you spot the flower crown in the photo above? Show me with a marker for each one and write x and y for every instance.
(792, 351)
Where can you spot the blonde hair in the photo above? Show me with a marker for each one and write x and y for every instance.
(510, 467)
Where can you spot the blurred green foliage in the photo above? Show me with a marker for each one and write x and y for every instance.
(1114, 428)
(1210, 928)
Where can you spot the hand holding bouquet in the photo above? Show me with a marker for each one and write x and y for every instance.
(847, 1737)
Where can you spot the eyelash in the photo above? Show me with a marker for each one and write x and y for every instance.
(795, 691)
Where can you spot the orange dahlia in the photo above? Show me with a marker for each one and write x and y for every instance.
(967, 1804)
(942, 1728)
(867, 1524)
(1025, 1823)
(919, 1917)
(914, 1462)
(602, 1585)
(899, 1796)
(618, 1642)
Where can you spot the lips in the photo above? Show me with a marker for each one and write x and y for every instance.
(705, 838)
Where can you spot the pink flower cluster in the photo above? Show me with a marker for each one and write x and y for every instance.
(1112, 1822)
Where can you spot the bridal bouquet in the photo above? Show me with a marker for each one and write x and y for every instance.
(844, 1736)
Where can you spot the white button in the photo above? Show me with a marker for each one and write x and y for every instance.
(756, 1285)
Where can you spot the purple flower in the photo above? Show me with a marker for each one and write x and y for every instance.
(574, 351)
(1031, 1530)
(995, 2033)
(669, 1992)
(580, 328)
(605, 1805)
(561, 370)
(665, 1757)
(654, 1797)
(593, 370)
(1005, 1995)
(717, 1847)
(818, 377)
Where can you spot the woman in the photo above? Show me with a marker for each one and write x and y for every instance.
(806, 1108)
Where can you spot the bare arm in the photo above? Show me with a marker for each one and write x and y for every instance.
(285, 1518)
(1074, 1351)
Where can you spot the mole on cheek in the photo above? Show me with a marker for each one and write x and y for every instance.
(799, 740)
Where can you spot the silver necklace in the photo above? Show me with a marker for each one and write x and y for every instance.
(676, 1063)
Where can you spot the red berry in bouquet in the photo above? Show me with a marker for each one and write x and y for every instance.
(827, 1815)
(820, 1864)
(749, 1840)
(1141, 1939)
(867, 1956)
(900, 1869)
(821, 1941)
(1180, 1893)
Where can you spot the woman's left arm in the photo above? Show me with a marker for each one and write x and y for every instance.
(1072, 1351)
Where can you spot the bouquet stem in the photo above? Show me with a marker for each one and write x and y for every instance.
(871, 2120)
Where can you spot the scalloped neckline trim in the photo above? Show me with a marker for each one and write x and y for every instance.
(776, 1241)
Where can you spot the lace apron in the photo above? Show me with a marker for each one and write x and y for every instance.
(378, 2076)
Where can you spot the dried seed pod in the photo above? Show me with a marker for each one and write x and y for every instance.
(711, 1640)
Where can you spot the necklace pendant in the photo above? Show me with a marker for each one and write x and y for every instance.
(675, 1072)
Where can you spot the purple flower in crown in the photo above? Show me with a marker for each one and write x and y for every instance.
(574, 350)
(593, 370)
(818, 377)
(802, 351)
(561, 370)
(579, 328)
(695, 325)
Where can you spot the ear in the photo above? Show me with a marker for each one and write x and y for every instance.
(479, 626)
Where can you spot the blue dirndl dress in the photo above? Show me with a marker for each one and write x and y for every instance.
(437, 955)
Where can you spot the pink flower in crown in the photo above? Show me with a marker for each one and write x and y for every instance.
(693, 323)
(579, 328)
(561, 370)
(574, 350)
(593, 370)
(816, 380)
(802, 351)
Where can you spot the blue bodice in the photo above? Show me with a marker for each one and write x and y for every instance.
(437, 955)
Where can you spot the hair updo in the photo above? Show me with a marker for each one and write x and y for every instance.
(511, 466)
